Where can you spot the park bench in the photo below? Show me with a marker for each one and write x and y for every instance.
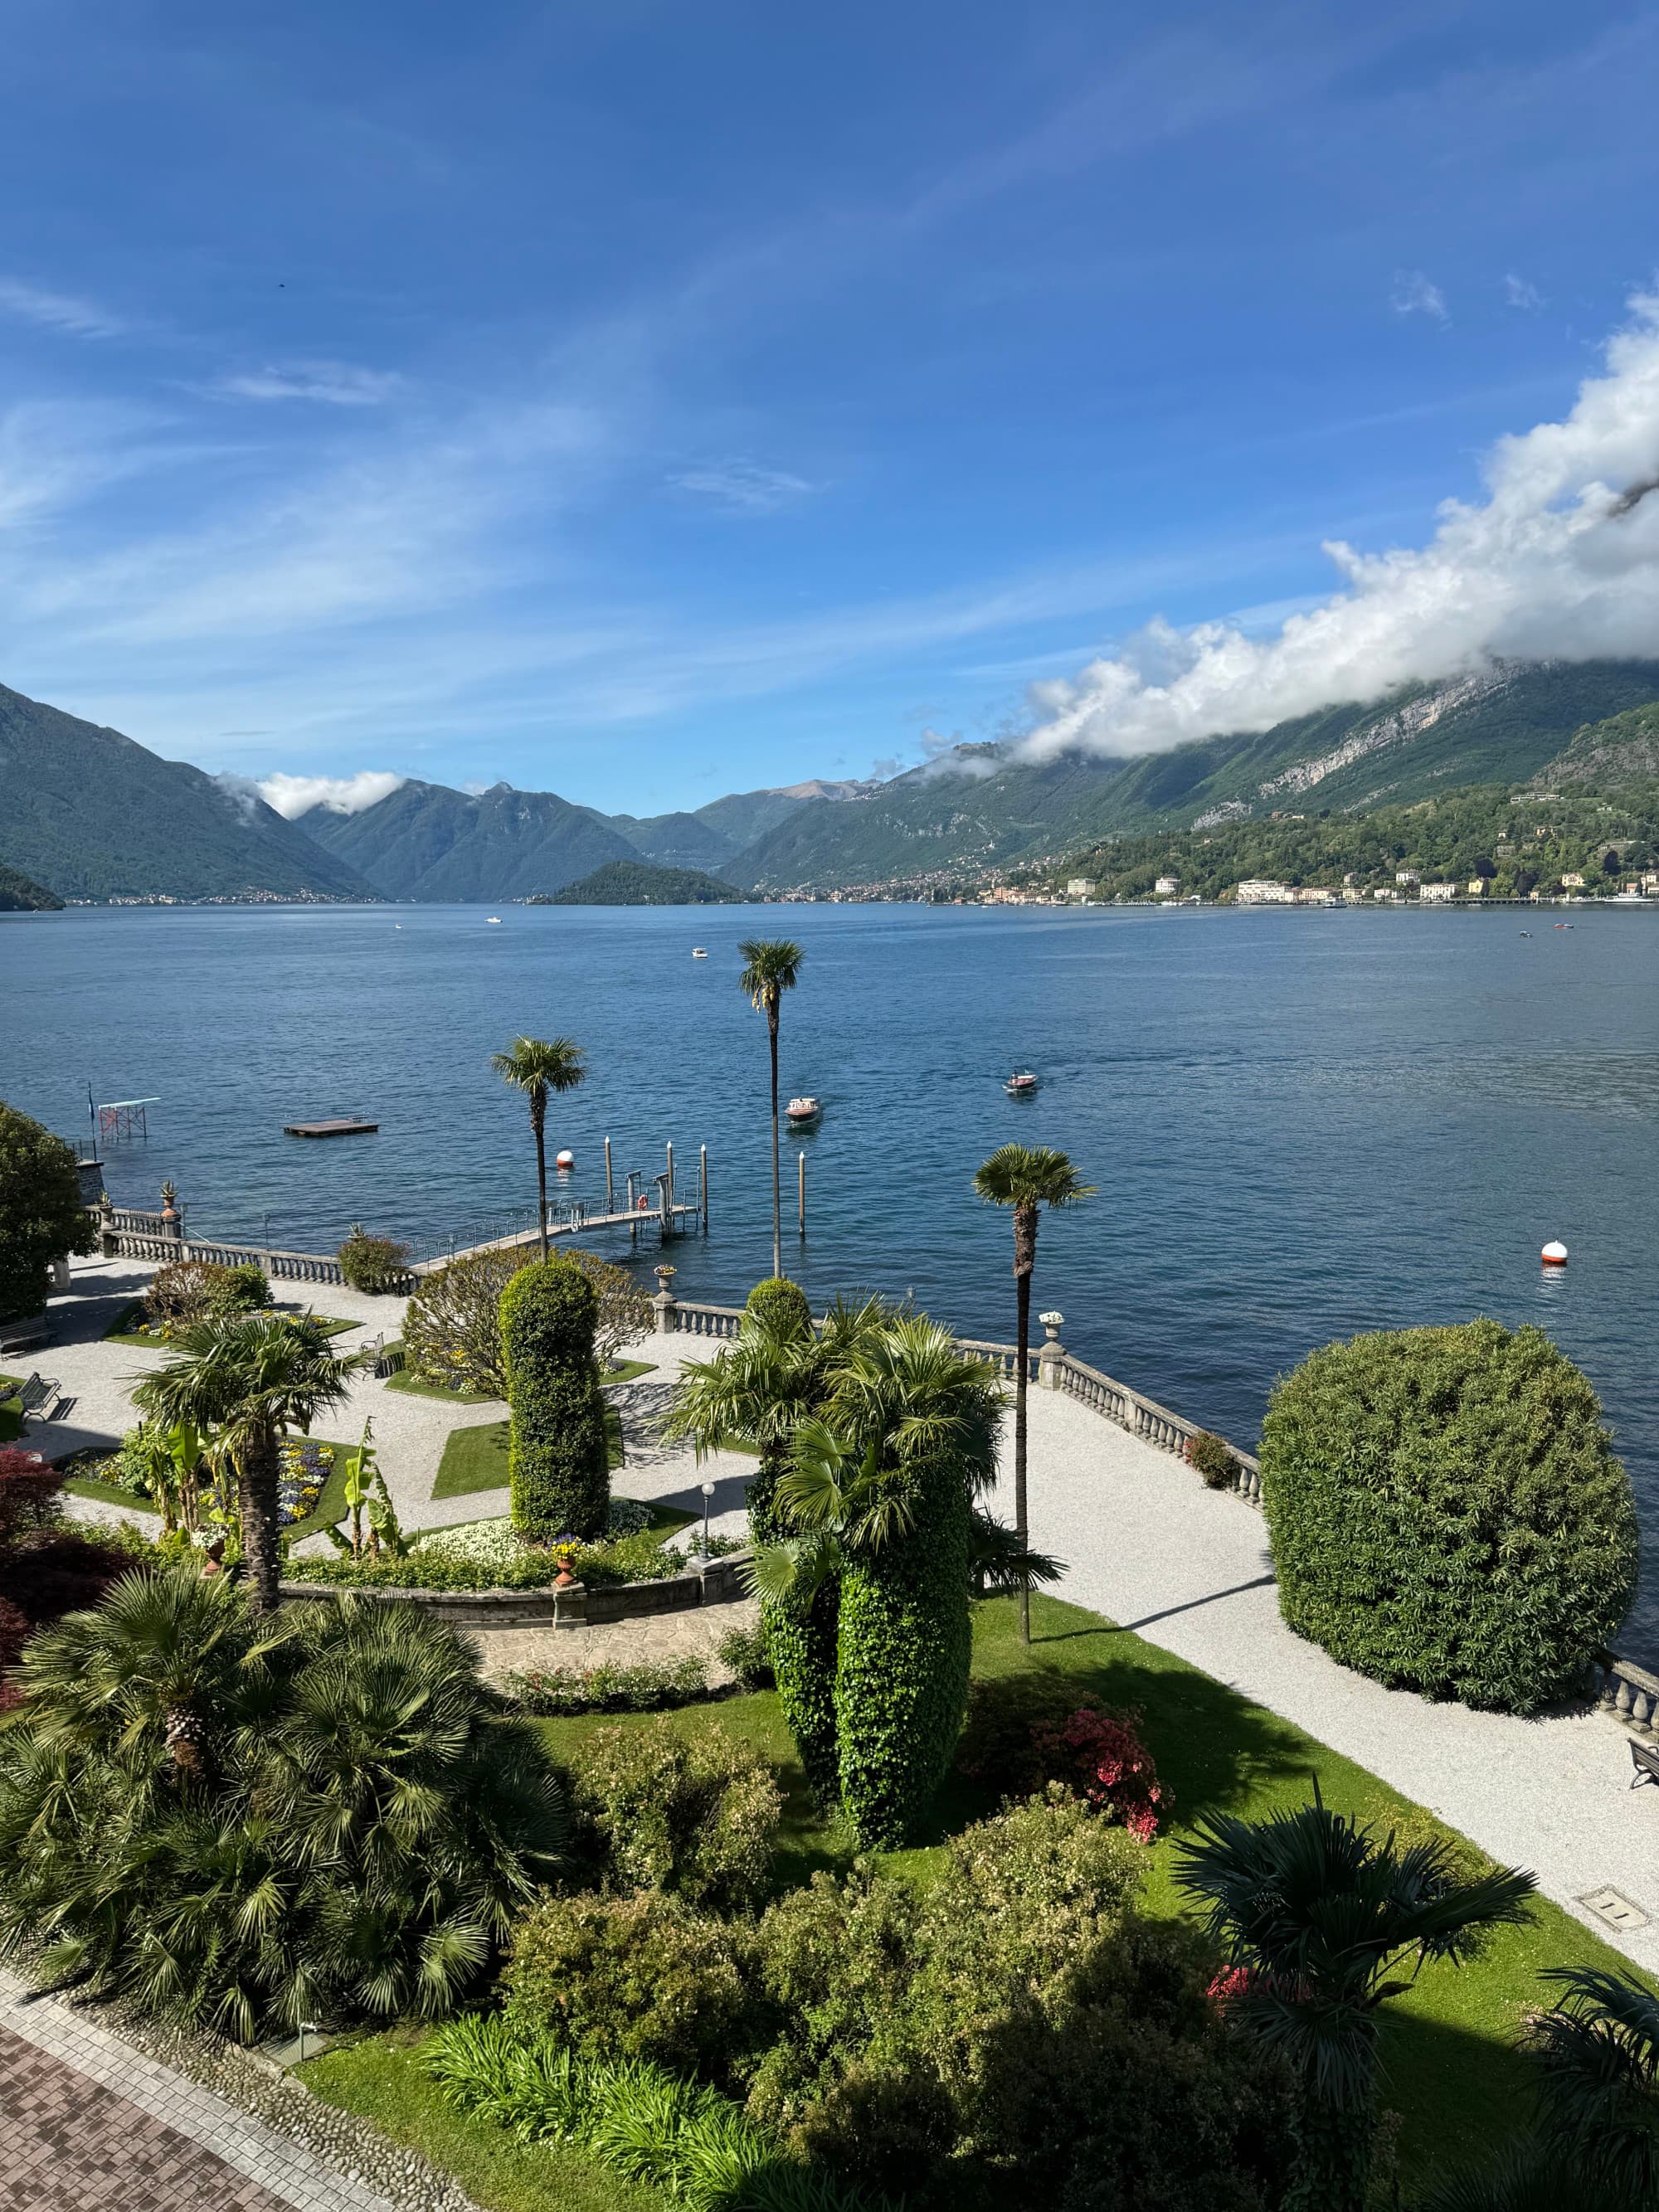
(1645, 1758)
(39, 1399)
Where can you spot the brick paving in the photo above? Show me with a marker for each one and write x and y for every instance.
(88, 2125)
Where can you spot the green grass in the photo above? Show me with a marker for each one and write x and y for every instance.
(1449, 2046)
(411, 1383)
(380, 2079)
(476, 1459)
(329, 1507)
(11, 1417)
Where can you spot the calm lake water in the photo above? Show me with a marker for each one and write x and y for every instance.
(1301, 1124)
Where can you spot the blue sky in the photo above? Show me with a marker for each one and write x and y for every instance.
(645, 402)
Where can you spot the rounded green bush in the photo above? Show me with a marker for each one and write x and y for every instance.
(557, 1464)
(1448, 1514)
(781, 1306)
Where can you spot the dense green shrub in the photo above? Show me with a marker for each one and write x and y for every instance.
(243, 1823)
(185, 1292)
(557, 1463)
(1446, 1513)
(1213, 1458)
(452, 1326)
(646, 1688)
(373, 1264)
(641, 1977)
(42, 1218)
(690, 1811)
(744, 1650)
(781, 1305)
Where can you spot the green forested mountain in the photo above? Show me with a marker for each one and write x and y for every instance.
(672, 840)
(19, 895)
(636, 883)
(425, 841)
(983, 807)
(1593, 811)
(92, 815)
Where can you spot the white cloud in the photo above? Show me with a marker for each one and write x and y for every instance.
(294, 795)
(1520, 294)
(1559, 562)
(742, 486)
(58, 310)
(1414, 294)
(331, 383)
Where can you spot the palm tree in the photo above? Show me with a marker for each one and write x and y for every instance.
(1318, 1911)
(772, 966)
(1026, 1177)
(537, 1066)
(250, 1378)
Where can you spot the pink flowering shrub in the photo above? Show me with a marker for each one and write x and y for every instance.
(1101, 1756)
(1231, 1983)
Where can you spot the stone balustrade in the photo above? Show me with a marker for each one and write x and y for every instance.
(1630, 1693)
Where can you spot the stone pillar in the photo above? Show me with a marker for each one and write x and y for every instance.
(172, 1220)
(1051, 1351)
(668, 1308)
(108, 1244)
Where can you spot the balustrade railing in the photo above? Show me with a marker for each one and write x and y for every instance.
(1628, 1692)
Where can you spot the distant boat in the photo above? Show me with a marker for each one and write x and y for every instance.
(699, 953)
(800, 1111)
(1021, 1084)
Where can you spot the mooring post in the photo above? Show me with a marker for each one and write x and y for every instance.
(609, 1194)
(671, 1179)
(801, 1156)
(703, 1186)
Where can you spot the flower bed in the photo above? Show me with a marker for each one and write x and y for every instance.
(485, 1555)
(303, 1471)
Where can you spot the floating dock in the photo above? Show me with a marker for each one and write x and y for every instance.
(329, 1128)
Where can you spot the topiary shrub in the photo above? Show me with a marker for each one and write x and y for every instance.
(692, 1812)
(781, 1306)
(373, 1264)
(245, 1288)
(558, 1467)
(1446, 1512)
(1212, 1455)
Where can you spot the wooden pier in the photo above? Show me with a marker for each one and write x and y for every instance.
(329, 1128)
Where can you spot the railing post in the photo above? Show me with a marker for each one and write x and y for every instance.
(109, 1244)
(1051, 1351)
(667, 1311)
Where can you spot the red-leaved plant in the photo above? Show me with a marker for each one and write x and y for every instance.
(1101, 1756)
(47, 1569)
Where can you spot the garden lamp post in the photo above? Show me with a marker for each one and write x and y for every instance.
(708, 1498)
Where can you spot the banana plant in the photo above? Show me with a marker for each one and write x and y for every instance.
(358, 1476)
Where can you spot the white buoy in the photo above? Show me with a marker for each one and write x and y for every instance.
(1554, 1254)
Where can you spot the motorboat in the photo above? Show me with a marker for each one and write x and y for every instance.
(1021, 1084)
(699, 953)
(495, 921)
(801, 1111)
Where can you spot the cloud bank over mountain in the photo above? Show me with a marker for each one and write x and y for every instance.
(293, 795)
(1561, 562)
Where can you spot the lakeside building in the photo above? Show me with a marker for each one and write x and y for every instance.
(1078, 887)
(1166, 886)
(1385, 894)
(1476, 887)
(1437, 894)
(1573, 882)
(1263, 893)
(1407, 876)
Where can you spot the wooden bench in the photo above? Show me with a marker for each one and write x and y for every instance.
(1645, 1758)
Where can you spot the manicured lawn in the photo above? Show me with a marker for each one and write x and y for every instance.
(1454, 2074)
(329, 1507)
(411, 1384)
(625, 1371)
(476, 1459)
(381, 2079)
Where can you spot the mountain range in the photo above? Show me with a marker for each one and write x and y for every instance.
(90, 814)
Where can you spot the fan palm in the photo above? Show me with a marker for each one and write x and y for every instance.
(771, 967)
(249, 1378)
(1026, 1177)
(354, 1840)
(537, 1066)
(1323, 1913)
(1599, 2050)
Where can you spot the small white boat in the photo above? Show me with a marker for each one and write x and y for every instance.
(802, 1111)
(699, 953)
(495, 921)
(1021, 1084)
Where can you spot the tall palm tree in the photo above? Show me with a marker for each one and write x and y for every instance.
(1321, 1913)
(249, 1378)
(1026, 1177)
(537, 1066)
(771, 967)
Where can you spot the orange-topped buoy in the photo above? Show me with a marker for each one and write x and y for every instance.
(566, 1161)
(1554, 1254)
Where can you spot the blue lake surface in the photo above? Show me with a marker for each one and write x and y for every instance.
(1300, 1123)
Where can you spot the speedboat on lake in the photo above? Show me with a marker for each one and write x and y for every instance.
(801, 1111)
(699, 953)
(1021, 1084)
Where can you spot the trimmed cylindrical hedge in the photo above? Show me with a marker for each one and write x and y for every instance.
(906, 1640)
(801, 1640)
(558, 1462)
(1448, 1514)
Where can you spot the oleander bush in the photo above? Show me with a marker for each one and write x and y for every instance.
(1212, 1457)
(242, 1822)
(558, 1465)
(452, 1326)
(1448, 1514)
(691, 1812)
(373, 1264)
